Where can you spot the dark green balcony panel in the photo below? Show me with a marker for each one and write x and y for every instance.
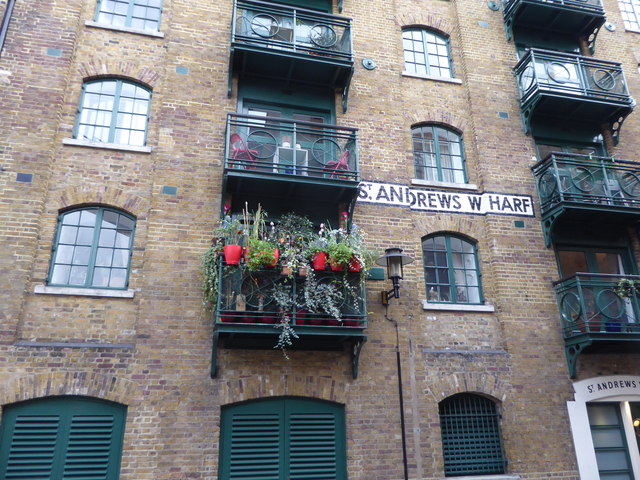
(572, 88)
(248, 317)
(293, 45)
(578, 18)
(573, 187)
(308, 167)
(598, 315)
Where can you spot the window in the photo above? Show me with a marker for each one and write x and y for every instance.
(426, 53)
(438, 154)
(630, 10)
(471, 440)
(62, 437)
(609, 439)
(113, 111)
(136, 14)
(92, 249)
(451, 270)
(283, 438)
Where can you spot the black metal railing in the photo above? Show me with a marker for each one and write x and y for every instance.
(267, 297)
(288, 29)
(586, 6)
(599, 304)
(288, 147)
(566, 74)
(588, 180)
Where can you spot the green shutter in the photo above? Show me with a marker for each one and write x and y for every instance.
(31, 448)
(62, 438)
(283, 439)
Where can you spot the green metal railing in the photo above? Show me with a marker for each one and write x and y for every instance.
(566, 74)
(607, 305)
(593, 182)
(281, 27)
(266, 297)
(587, 6)
(286, 147)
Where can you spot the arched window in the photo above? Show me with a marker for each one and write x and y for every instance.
(426, 53)
(92, 248)
(283, 438)
(62, 437)
(438, 154)
(113, 111)
(136, 14)
(451, 270)
(471, 440)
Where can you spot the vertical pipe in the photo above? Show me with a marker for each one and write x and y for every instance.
(5, 22)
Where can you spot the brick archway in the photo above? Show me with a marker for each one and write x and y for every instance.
(106, 68)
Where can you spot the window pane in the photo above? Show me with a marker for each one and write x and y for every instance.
(68, 234)
(85, 236)
(103, 257)
(60, 274)
(81, 255)
(118, 278)
(78, 275)
(120, 258)
(107, 238)
(64, 254)
(101, 277)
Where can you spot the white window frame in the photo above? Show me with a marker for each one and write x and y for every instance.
(587, 391)
(628, 8)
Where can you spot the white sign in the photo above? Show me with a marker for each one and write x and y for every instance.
(439, 201)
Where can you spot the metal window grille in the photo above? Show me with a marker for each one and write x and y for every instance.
(471, 440)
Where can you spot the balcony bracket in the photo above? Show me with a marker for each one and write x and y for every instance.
(615, 126)
(345, 93)
(356, 348)
(339, 6)
(526, 117)
(572, 351)
(214, 354)
(547, 228)
(591, 40)
(508, 28)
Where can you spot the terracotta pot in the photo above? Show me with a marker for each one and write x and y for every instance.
(303, 271)
(336, 267)
(319, 261)
(286, 270)
(232, 254)
(276, 256)
(354, 265)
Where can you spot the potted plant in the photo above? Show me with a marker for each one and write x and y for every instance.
(316, 250)
(261, 250)
(338, 249)
(294, 232)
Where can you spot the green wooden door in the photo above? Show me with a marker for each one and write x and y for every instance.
(283, 439)
(61, 438)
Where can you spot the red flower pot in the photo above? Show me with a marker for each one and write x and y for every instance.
(319, 261)
(354, 265)
(336, 267)
(276, 256)
(232, 254)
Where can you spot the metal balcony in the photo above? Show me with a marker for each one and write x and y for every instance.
(598, 314)
(586, 188)
(572, 88)
(248, 316)
(309, 167)
(578, 18)
(293, 45)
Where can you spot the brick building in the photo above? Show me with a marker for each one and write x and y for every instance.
(485, 140)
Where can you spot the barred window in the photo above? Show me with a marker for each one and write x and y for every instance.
(136, 14)
(471, 440)
(426, 53)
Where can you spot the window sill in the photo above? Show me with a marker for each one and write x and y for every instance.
(459, 307)
(486, 477)
(83, 292)
(146, 33)
(109, 146)
(430, 77)
(433, 183)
